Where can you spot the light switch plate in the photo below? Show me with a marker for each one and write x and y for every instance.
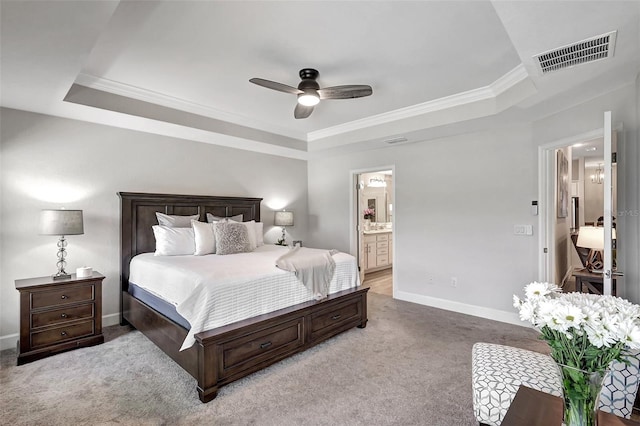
(523, 229)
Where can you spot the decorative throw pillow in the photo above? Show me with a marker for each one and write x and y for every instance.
(174, 221)
(205, 238)
(231, 237)
(173, 241)
(211, 218)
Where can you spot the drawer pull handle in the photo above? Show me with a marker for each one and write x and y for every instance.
(63, 297)
(265, 345)
(335, 317)
(64, 333)
(63, 315)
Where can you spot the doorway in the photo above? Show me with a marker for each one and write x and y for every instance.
(373, 230)
(577, 167)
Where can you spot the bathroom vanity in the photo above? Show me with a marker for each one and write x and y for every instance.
(378, 249)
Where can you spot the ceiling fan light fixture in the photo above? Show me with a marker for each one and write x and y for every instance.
(308, 98)
(309, 92)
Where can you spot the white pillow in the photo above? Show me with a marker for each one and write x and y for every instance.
(174, 221)
(173, 241)
(259, 228)
(231, 237)
(211, 218)
(205, 239)
(251, 233)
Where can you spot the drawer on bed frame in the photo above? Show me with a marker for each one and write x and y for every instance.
(247, 351)
(327, 322)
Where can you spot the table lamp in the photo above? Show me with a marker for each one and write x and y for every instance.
(283, 219)
(592, 237)
(61, 223)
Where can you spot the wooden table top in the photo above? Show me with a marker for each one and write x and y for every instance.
(534, 408)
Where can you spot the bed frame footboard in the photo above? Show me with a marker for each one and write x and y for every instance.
(231, 352)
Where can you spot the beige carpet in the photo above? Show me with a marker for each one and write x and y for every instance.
(410, 366)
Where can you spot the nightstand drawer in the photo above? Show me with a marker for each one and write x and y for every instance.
(62, 296)
(62, 315)
(61, 334)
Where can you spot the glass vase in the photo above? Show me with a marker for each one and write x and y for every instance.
(581, 394)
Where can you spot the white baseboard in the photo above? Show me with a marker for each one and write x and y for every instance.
(10, 341)
(111, 319)
(463, 308)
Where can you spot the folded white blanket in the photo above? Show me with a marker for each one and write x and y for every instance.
(313, 267)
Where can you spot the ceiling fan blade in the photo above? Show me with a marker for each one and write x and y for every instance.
(275, 86)
(345, 92)
(302, 111)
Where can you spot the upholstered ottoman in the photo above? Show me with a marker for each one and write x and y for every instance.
(497, 371)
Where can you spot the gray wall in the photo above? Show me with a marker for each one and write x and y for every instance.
(456, 202)
(49, 162)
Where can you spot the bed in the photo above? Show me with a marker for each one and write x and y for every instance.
(228, 352)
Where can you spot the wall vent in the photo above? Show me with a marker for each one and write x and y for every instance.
(589, 50)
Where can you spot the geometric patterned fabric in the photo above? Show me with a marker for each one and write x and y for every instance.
(498, 371)
(619, 388)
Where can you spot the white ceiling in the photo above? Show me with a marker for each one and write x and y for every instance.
(182, 68)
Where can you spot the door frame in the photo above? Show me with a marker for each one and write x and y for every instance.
(546, 198)
(353, 214)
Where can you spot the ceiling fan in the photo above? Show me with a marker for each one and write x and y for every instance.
(309, 92)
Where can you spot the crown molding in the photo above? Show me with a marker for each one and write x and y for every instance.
(134, 92)
(493, 90)
(510, 79)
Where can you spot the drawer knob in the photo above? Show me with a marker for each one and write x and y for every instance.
(63, 333)
(63, 315)
(335, 317)
(63, 297)
(265, 345)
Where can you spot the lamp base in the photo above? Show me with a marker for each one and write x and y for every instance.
(61, 276)
(594, 262)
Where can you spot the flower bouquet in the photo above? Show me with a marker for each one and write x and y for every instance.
(585, 332)
(369, 213)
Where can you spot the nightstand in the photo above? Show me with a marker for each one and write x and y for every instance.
(60, 315)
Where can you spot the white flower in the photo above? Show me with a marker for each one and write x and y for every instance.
(528, 312)
(606, 324)
(517, 302)
(536, 289)
(630, 334)
(569, 315)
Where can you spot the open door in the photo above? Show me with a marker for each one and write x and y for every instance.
(610, 175)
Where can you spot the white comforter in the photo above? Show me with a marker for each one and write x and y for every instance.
(213, 290)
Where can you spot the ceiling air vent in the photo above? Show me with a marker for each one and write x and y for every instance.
(589, 50)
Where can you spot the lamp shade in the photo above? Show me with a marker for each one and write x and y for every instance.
(592, 237)
(283, 219)
(61, 222)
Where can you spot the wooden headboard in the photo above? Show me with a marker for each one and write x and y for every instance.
(138, 215)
